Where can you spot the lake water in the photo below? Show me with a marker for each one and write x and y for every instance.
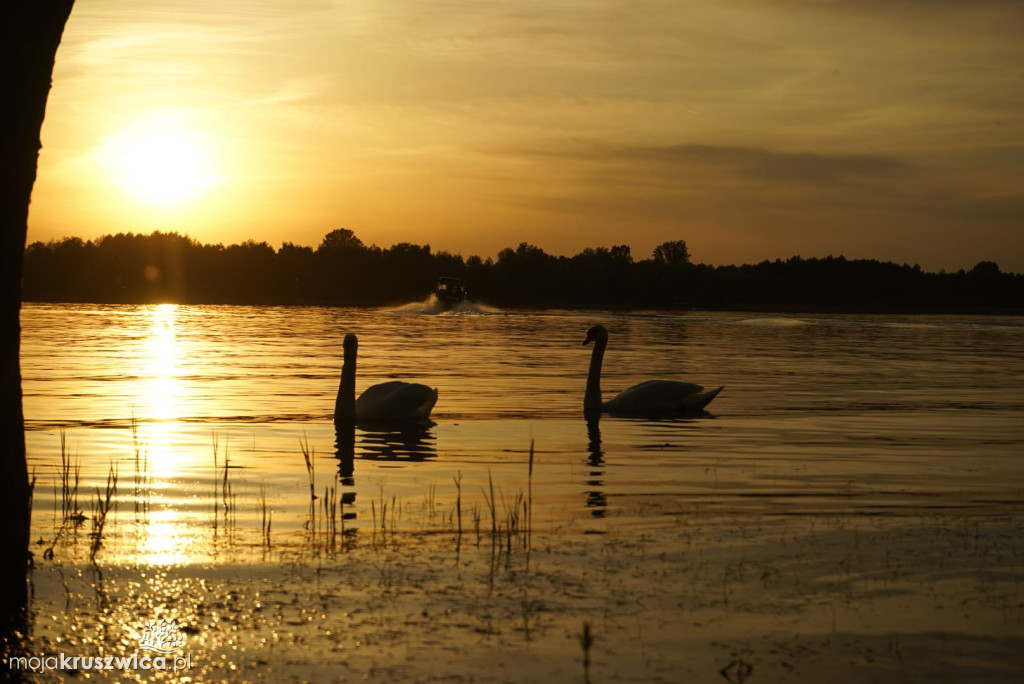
(882, 413)
(823, 416)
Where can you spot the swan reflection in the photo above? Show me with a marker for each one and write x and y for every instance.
(388, 443)
(596, 499)
(408, 444)
(345, 452)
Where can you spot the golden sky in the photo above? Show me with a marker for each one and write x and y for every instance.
(753, 129)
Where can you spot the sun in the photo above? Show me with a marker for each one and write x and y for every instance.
(161, 161)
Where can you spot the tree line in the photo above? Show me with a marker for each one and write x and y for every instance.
(343, 271)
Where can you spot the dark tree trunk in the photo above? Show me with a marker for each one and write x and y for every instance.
(30, 31)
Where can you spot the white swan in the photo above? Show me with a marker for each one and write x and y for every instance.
(654, 398)
(389, 402)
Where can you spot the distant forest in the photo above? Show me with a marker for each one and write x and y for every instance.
(342, 271)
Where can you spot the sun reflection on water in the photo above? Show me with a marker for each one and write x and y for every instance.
(167, 537)
(161, 360)
(167, 540)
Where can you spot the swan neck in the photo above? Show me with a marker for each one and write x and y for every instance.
(345, 404)
(592, 398)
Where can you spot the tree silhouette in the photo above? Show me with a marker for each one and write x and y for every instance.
(672, 253)
(28, 46)
(341, 239)
(344, 271)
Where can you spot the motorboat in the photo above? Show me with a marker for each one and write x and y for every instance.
(450, 291)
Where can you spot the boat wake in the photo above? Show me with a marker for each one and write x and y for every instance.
(773, 321)
(433, 306)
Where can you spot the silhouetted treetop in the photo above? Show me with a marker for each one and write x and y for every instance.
(672, 253)
(986, 269)
(341, 238)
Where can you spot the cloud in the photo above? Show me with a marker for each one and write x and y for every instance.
(740, 162)
(759, 163)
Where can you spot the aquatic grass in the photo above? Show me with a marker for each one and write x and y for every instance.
(330, 515)
(224, 497)
(477, 517)
(513, 528)
(226, 485)
(140, 493)
(308, 456)
(31, 492)
(586, 639)
(216, 476)
(105, 502)
(265, 516)
(373, 523)
(458, 510)
(430, 501)
(515, 515)
(68, 485)
(528, 510)
(70, 476)
(489, 500)
(326, 525)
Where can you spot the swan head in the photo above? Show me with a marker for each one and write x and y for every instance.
(350, 345)
(598, 333)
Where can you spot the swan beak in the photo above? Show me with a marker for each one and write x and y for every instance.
(587, 341)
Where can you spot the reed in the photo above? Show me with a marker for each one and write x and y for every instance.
(458, 509)
(140, 493)
(430, 501)
(68, 495)
(395, 508)
(476, 524)
(330, 515)
(491, 505)
(31, 492)
(224, 497)
(373, 515)
(586, 641)
(309, 456)
(528, 505)
(105, 501)
(68, 484)
(513, 520)
(265, 516)
(226, 486)
(216, 475)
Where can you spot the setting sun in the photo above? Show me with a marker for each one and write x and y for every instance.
(161, 162)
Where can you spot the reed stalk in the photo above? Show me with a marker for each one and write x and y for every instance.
(458, 509)
(140, 494)
(265, 516)
(586, 641)
(69, 486)
(105, 501)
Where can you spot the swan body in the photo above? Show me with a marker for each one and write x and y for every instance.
(653, 398)
(394, 401)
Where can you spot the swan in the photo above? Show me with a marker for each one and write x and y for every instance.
(653, 398)
(394, 401)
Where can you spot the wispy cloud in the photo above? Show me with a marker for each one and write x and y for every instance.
(748, 162)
